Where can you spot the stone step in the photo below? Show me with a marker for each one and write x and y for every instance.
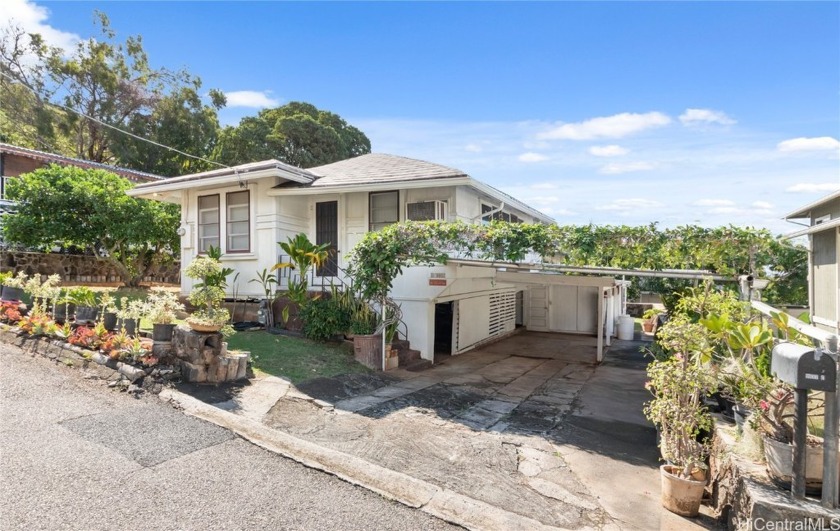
(408, 356)
(400, 344)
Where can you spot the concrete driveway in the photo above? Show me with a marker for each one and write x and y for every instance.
(529, 424)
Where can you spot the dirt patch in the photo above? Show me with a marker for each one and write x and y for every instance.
(212, 393)
(345, 386)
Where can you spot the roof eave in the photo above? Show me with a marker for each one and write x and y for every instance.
(149, 190)
(369, 187)
(805, 211)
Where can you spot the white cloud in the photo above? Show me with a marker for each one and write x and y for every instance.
(629, 204)
(616, 168)
(705, 116)
(473, 148)
(250, 98)
(616, 126)
(819, 143)
(713, 203)
(532, 157)
(813, 187)
(725, 210)
(33, 19)
(763, 205)
(608, 151)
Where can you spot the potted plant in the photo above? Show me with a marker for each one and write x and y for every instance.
(13, 287)
(161, 308)
(86, 307)
(649, 319)
(129, 315)
(367, 344)
(679, 383)
(392, 360)
(208, 293)
(108, 310)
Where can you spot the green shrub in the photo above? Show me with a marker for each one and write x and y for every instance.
(324, 318)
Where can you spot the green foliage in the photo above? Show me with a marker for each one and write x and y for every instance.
(209, 292)
(679, 383)
(89, 210)
(727, 251)
(297, 133)
(304, 255)
(381, 256)
(267, 282)
(324, 318)
(82, 296)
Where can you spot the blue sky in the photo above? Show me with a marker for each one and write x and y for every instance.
(707, 113)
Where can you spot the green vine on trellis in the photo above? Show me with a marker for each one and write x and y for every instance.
(381, 256)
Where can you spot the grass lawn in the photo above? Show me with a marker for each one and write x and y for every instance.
(297, 359)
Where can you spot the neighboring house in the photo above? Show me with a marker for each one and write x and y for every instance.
(247, 209)
(822, 218)
(15, 161)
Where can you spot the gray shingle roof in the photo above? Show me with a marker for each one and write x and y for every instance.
(242, 170)
(378, 168)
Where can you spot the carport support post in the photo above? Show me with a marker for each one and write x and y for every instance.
(600, 328)
(831, 491)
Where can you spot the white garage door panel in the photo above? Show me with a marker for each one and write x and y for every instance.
(587, 309)
(538, 309)
(564, 308)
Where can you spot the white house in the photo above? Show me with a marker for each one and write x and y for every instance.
(246, 210)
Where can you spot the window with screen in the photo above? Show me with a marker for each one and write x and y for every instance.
(384, 209)
(208, 222)
(238, 222)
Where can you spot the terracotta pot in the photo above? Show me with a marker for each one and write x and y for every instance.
(680, 496)
(367, 349)
(647, 326)
(199, 327)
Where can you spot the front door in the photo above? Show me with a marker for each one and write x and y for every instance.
(326, 232)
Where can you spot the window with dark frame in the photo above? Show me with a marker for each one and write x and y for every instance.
(384, 209)
(238, 222)
(208, 222)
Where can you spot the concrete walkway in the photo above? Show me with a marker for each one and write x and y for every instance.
(528, 426)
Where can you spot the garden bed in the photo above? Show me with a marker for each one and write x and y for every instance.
(94, 364)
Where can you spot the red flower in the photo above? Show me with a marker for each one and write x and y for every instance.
(764, 405)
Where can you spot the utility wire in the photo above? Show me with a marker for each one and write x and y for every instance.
(10, 78)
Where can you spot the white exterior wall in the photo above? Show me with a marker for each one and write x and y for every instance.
(265, 220)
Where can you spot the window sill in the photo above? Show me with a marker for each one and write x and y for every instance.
(235, 257)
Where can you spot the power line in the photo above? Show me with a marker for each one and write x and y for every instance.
(70, 109)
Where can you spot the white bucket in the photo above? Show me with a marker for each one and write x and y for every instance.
(626, 326)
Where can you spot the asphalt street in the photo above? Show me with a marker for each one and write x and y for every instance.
(75, 454)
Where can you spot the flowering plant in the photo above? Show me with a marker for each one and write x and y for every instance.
(678, 383)
(161, 306)
(37, 324)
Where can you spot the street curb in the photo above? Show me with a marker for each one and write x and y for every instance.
(416, 493)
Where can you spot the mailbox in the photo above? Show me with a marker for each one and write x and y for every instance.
(804, 367)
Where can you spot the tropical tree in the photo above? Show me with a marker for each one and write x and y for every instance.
(89, 210)
(297, 133)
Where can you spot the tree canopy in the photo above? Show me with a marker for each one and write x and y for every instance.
(89, 209)
(297, 133)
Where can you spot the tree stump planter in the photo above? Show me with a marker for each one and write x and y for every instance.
(204, 358)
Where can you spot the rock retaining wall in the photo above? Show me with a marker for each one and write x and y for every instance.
(79, 268)
(743, 497)
(94, 364)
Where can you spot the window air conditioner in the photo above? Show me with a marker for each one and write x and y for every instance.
(426, 211)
